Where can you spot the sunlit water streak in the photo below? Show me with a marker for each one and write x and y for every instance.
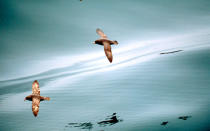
(137, 51)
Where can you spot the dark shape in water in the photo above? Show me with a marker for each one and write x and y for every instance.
(184, 117)
(170, 52)
(111, 120)
(36, 98)
(86, 125)
(164, 123)
(106, 43)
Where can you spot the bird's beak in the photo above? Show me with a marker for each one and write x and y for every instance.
(93, 42)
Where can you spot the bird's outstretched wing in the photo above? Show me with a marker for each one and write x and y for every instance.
(108, 51)
(101, 33)
(42, 98)
(29, 98)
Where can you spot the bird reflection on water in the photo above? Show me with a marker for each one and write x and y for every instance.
(164, 123)
(184, 117)
(110, 120)
(86, 125)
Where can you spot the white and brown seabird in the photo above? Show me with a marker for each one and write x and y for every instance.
(36, 98)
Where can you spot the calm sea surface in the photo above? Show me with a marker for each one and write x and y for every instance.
(51, 41)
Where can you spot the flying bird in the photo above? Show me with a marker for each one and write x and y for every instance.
(36, 98)
(104, 41)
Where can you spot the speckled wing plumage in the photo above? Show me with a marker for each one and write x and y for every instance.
(101, 33)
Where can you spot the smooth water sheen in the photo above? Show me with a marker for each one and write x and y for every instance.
(51, 41)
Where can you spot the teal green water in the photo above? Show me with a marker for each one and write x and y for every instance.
(51, 41)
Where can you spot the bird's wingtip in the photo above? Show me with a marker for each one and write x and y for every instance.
(115, 42)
